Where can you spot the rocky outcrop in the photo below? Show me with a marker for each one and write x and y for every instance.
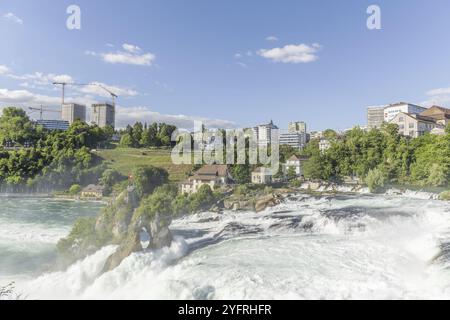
(121, 222)
(268, 201)
(157, 229)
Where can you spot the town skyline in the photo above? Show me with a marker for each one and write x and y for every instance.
(306, 63)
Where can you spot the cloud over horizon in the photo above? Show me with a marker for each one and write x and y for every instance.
(301, 53)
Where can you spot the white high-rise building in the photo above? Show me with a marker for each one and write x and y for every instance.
(72, 112)
(103, 115)
(266, 133)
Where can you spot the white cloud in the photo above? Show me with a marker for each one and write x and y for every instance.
(130, 115)
(4, 69)
(291, 53)
(440, 97)
(12, 17)
(242, 64)
(237, 55)
(40, 78)
(25, 97)
(132, 55)
(131, 48)
(272, 38)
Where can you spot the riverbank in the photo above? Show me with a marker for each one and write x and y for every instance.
(258, 198)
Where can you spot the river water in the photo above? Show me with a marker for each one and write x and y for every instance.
(330, 247)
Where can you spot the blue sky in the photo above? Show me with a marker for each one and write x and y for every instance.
(218, 60)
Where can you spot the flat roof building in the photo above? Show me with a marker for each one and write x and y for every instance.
(266, 133)
(103, 115)
(295, 140)
(54, 124)
(391, 111)
(375, 117)
(72, 112)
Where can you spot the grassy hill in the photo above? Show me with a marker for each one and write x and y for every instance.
(123, 160)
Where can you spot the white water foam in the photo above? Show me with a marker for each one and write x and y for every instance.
(365, 247)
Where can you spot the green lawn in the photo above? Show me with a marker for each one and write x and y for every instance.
(123, 160)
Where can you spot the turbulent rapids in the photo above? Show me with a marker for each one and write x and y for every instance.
(329, 247)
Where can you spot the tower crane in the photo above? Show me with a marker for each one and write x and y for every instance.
(41, 110)
(64, 84)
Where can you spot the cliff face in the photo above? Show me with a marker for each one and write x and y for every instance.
(121, 223)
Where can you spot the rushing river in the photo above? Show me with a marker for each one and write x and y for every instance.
(340, 247)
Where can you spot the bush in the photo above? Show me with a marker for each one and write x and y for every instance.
(241, 190)
(75, 189)
(375, 180)
(202, 200)
(296, 184)
(84, 228)
(445, 196)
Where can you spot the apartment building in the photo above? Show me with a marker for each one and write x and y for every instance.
(103, 115)
(266, 133)
(72, 112)
(375, 117)
(295, 140)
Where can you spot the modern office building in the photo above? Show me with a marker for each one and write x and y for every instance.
(391, 111)
(297, 127)
(103, 115)
(266, 133)
(375, 117)
(54, 124)
(72, 112)
(295, 140)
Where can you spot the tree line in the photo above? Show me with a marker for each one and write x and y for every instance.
(147, 136)
(382, 157)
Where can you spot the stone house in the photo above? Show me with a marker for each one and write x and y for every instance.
(212, 175)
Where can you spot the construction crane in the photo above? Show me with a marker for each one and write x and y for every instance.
(41, 111)
(64, 84)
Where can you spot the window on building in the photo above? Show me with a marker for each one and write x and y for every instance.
(402, 127)
(411, 125)
(401, 119)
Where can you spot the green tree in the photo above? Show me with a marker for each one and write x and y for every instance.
(126, 141)
(147, 178)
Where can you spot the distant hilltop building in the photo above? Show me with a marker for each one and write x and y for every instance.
(297, 127)
(103, 115)
(376, 116)
(392, 110)
(265, 133)
(295, 140)
(72, 112)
